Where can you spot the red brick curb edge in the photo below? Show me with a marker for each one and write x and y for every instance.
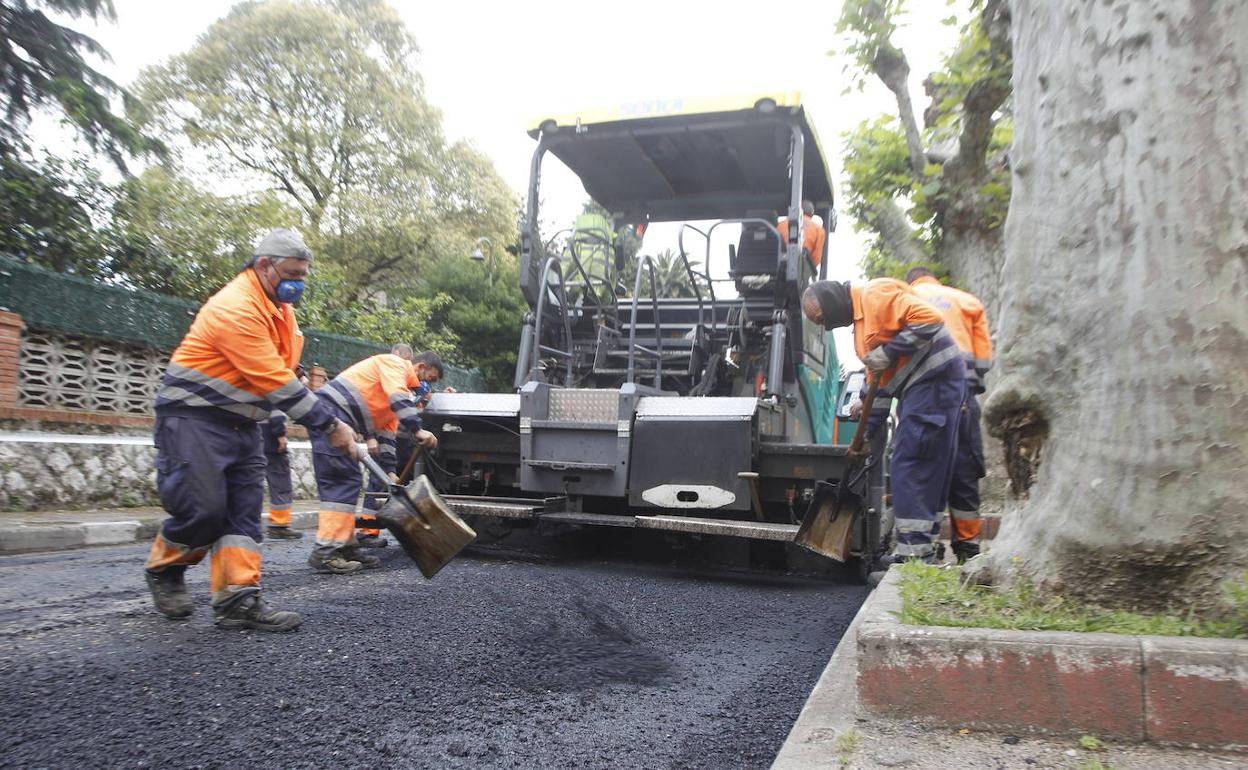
(1173, 690)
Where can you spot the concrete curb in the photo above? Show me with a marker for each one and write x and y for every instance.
(1180, 690)
(18, 538)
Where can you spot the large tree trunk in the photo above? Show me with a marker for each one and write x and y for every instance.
(974, 260)
(1123, 329)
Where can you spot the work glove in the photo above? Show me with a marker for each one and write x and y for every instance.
(877, 360)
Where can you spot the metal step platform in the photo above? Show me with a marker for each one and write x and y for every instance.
(521, 508)
(754, 530)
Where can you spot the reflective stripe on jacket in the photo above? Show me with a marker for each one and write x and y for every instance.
(889, 314)
(238, 359)
(966, 320)
(377, 394)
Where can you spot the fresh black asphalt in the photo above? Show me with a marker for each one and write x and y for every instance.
(500, 661)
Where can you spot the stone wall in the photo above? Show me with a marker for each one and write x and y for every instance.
(66, 472)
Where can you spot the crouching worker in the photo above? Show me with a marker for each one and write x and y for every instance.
(904, 344)
(233, 368)
(374, 396)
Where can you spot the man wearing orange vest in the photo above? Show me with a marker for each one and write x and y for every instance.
(374, 397)
(389, 445)
(904, 344)
(235, 365)
(813, 234)
(965, 318)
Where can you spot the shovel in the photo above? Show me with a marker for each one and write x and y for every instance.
(827, 525)
(429, 531)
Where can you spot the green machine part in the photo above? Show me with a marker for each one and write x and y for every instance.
(823, 393)
(593, 237)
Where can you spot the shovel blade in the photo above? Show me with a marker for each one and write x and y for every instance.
(827, 527)
(429, 531)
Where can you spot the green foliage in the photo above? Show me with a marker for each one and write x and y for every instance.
(868, 27)
(670, 277)
(175, 238)
(937, 596)
(485, 316)
(1091, 743)
(877, 163)
(877, 168)
(409, 320)
(42, 65)
(46, 215)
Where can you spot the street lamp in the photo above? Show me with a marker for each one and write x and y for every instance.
(480, 256)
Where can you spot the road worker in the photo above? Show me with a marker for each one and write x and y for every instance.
(431, 369)
(968, 323)
(234, 367)
(374, 396)
(370, 537)
(277, 476)
(904, 344)
(813, 234)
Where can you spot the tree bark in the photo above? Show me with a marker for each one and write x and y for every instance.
(1123, 330)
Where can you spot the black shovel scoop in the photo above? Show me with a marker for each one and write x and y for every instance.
(826, 528)
(429, 531)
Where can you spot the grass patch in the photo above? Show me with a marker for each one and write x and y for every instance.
(936, 596)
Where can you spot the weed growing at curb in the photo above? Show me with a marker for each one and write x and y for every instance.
(846, 745)
(937, 596)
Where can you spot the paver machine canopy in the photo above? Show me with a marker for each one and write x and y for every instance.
(708, 413)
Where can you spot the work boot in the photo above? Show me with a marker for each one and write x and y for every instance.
(965, 550)
(372, 541)
(335, 563)
(169, 592)
(252, 612)
(368, 561)
(275, 532)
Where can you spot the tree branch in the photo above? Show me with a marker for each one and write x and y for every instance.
(887, 219)
(985, 96)
(891, 67)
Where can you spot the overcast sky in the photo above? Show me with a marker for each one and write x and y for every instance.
(492, 68)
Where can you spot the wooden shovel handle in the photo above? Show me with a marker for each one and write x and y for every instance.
(406, 475)
(855, 446)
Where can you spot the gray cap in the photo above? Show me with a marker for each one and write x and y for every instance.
(283, 243)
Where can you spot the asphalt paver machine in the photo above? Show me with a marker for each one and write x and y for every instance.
(715, 413)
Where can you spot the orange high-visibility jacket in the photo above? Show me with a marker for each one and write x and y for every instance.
(238, 359)
(377, 394)
(889, 314)
(966, 320)
(813, 236)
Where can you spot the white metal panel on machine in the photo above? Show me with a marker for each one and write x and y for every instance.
(720, 408)
(480, 404)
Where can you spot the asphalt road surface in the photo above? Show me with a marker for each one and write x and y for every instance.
(498, 662)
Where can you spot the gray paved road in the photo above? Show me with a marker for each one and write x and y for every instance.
(498, 662)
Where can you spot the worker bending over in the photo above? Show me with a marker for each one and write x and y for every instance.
(431, 369)
(968, 324)
(428, 370)
(374, 396)
(904, 344)
(234, 367)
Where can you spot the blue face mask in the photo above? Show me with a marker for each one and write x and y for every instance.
(288, 291)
